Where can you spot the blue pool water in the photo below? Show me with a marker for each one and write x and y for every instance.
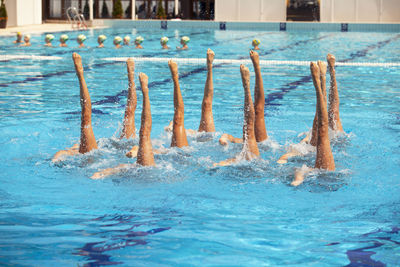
(183, 212)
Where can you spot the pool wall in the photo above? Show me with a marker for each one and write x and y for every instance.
(265, 26)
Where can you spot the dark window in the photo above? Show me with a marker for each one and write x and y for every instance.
(302, 10)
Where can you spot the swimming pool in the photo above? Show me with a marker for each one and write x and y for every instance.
(183, 212)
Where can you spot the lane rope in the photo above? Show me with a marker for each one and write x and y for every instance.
(31, 57)
(202, 61)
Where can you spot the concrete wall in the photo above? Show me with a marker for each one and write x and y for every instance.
(360, 11)
(11, 7)
(24, 12)
(331, 10)
(250, 10)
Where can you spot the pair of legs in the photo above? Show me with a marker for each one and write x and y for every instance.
(207, 120)
(87, 140)
(293, 151)
(260, 130)
(250, 148)
(144, 152)
(333, 111)
(324, 158)
(145, 155)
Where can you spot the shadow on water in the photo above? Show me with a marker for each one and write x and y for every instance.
(95, 253)
(361, 257)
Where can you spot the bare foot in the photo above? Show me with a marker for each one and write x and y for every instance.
(210, 56)
(133, 152)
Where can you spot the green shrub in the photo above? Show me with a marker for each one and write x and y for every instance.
(3, 10)
(117, 10)
(160, 11)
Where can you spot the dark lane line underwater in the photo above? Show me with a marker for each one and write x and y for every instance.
(361, 256)
(94, 251)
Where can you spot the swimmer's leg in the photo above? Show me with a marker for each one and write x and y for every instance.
(110, 171)
(88, 141)
(226, 162)
(250, 148)
(226, 138)
(292, 153)
(207, 120)
(314, 132)
(145, 156)
(190, 132)
(133, 152)
(249, 138)
(179, 138)
(259, 100)
(299, 175)
(68, 152)
(128, 130)
(322, 74)
(324, 158)
(170, 127)
(334, 116)
(306, 139)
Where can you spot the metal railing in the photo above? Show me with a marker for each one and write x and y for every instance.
(76, 19)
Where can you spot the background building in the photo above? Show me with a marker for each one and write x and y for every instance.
(26, 12)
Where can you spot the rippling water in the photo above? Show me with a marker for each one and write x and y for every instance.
(183, 211)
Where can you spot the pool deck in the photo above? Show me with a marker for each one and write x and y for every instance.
(40, 28)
